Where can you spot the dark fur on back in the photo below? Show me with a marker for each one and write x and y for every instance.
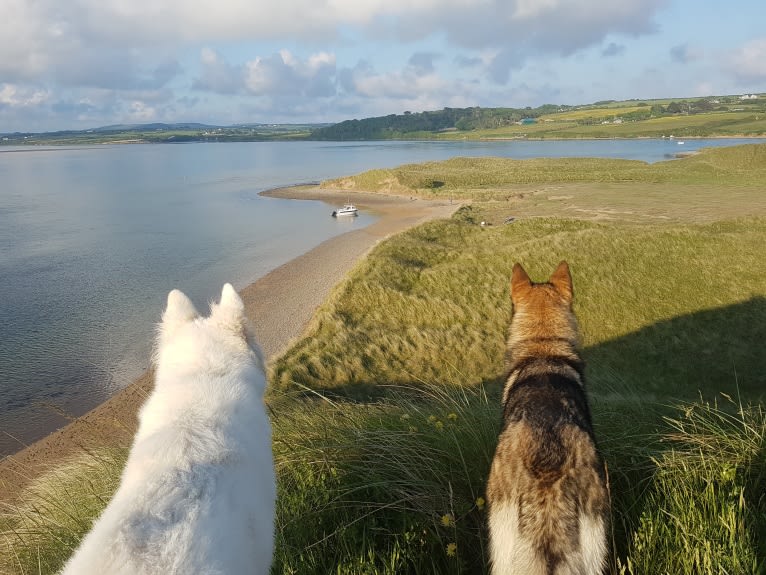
(548, 403)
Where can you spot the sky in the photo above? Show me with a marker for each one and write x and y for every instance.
(79, 64)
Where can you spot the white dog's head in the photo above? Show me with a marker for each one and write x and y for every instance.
(188, 342)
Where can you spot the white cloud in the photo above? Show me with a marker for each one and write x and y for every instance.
(418, 86)
(39, 37)
(217, 75)
(26, 31)
(19, 97)
(279, 74)
(114, 60)
(139, 111)
(530, 9)
(401, 85)
(748, 62)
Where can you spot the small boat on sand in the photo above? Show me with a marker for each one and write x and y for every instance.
(347, 210)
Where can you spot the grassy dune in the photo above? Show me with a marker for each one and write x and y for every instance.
(490, 178)
(386, 414)
(433, 304)
(671, 314)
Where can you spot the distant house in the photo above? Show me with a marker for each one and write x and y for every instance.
(748, 97)
(528, 121)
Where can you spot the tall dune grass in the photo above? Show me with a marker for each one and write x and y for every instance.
(467, 177)
(672, 309)
(705, 509)
(40, 531)
(397, 486)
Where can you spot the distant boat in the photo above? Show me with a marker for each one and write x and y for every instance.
(347, 210)
(681, 143)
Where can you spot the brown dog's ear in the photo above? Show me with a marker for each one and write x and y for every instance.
(520, 283)
(562, 281)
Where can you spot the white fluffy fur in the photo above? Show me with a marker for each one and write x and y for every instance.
(198, 492)
(592, 544)
(511, 553)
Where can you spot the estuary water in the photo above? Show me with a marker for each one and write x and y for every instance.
(93, 238)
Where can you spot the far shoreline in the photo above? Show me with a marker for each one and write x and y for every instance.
(280, 305)
(52, 146)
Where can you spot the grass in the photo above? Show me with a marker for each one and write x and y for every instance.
(491, 178)
(397, 486)
(389, 489)
(386, 413)
(746, 120)
(587, 113)
(650, 300)
(40, 531)
(705, 507)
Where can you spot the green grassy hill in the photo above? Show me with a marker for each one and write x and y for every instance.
(489, 178)
(689, 117)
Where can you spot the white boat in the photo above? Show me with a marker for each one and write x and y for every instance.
(347, 210)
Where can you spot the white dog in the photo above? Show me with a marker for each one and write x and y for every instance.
(197, 495)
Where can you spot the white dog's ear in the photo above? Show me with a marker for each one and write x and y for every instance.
(230, 312)
(179, 310)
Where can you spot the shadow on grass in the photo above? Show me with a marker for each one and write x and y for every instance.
(641, 382)
(721, 350)
(635, 382)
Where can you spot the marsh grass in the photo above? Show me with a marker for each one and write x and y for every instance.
(385, 487)
(397, 486)
(40, 530)
(673, 310)
(705, 509)
(490, 178)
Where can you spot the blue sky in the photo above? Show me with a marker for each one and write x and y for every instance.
(75, 64)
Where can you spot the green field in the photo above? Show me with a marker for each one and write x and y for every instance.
(166, 135)
(386, 413)
(714, 116)
(602, 124)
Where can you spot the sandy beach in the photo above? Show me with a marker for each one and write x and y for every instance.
(280, 305)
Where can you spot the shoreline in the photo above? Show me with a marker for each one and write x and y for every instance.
(280, 305)
(93, 145)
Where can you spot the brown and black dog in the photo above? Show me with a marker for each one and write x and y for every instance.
(547, 491)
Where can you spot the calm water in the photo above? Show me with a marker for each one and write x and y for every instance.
(92, 239)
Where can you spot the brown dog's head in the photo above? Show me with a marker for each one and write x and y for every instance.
(543, 311)
(557, 290)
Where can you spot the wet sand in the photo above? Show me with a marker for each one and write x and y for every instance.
(279, 304)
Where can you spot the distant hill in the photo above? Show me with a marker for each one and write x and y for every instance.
(712, 116)
(155, 126)
(409, 123)
(165, 133)
(733, 115)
